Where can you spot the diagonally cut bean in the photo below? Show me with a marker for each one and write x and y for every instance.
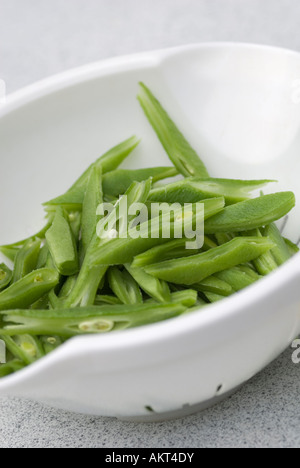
(117, 182)
(124, 286)
(183, 156)
(92, 199)
(62, 244)
(192, 190)
(280, 252)
(195, 269)
(85, 320)
(154, 287)
(214, 285)
(251, 214)
(26, 259)
(5, 276)
(29, 289)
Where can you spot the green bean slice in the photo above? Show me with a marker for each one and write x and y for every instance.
(62, 245)
(29, 289)
(183, 156)
(5, 276)
(85, 320)
(251, 214)
(118, 182)
(26, 259)
(154, 287)
(193, 270)
(192, 190)
(124, 286)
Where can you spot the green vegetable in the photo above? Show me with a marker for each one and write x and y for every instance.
(124, 287)
(155, 288)
(50, 343)
(265, 263)
(187, 298)
(92, 199)
(193, 190)
(11, 367)
(214, 285)
(26, 259)
(5, 276)
(238, 277)
(212, 298)
(118, 182)
(281, 251)
(174, 249)
(293, 248)
(183, 156)
(25, 348)
(29, 289)
(107, 300)
(251, 214)
(62, 245)
(195, 269)
(85, 320)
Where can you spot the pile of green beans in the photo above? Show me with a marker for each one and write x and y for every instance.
(68, 280)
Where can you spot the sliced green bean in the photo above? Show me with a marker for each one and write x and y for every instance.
(251, 214)
(155, 288)
(223, 237)
(43, 257)
(29, 289)
(187, 298)
(50, 343)
(26, 259)
(265, 263)
(75, 222)
(85, 320)
(107, 300)
(212, 298)
(5, 276)
(42, 303)
(293, 248)
(11, 367)
(214, 285)
(62, 245)
(92, 199)
(174, 249)
(193, 270)
(124, 286)
(117, 182)
(67, 287)
(24, 347)
(280, 252)
(183, 156)
(193, 190)
(238, 278)
(107, 163)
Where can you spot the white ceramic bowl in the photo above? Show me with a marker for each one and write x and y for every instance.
(239, 105)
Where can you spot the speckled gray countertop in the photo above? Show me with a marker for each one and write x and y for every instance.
(42, 37)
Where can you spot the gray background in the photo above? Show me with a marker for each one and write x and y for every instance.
(42, 37)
